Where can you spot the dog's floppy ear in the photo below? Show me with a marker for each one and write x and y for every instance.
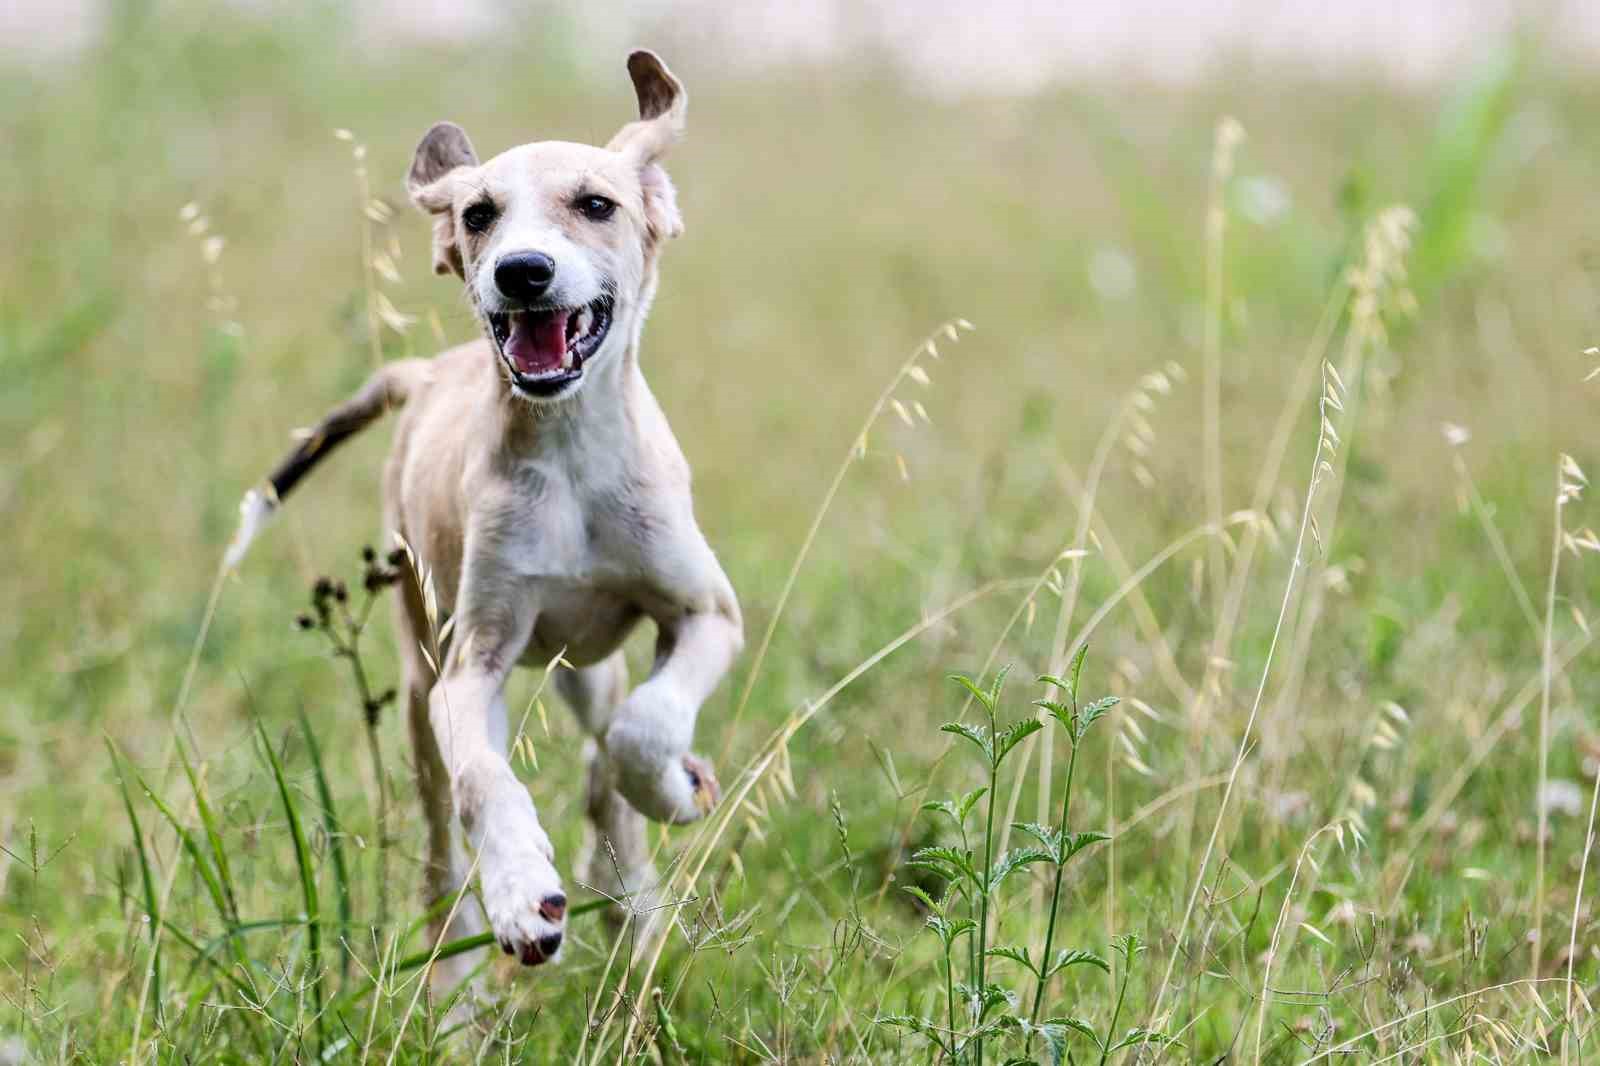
(662, 105)
(442, 150)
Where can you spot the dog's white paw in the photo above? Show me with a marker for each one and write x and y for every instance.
(522, 896)
(647, 744)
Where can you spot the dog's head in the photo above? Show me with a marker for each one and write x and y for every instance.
(557, 242)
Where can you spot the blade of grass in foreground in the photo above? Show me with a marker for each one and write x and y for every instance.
(308, 879)
(190, 845)
(219, 854)
(330, 825)
(465, 944)
(152, 909)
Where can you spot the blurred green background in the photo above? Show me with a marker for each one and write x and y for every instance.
(838, 208)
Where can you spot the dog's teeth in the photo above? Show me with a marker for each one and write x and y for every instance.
(566, 359)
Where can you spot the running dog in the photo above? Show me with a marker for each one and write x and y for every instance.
(535, 479)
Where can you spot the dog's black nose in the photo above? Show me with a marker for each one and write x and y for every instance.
(524, 275)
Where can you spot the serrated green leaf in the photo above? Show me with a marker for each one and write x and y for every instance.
(1093, 712)
(969, 801)
(1075, 671)
(1128, 945)
(1139, 1036)
(1076, 842)
(1055, 682)
(920, 1026)
(956, 861)
(1076, 1025)
(998, 685)
(1014, 736)
(1044, 834)
(1059, 711)
(1076, 957)
(1019, 955)
(1014, 860)
(981, 1003)
(977, 692)
(963, 730)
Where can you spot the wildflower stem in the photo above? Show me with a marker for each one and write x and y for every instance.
(1055, 891)
(983, 901)
(1546, 673)
(1116, 1012)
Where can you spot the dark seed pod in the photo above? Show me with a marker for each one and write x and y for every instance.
(368, 555)
(396, 557)
(340, 593)
(304, 621)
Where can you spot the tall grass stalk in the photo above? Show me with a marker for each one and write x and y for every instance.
(213, 598)
(1228, 135)
(908, 370)
(1567, 488)
(1264, 999)
(1567, 1019)
(1386, 242)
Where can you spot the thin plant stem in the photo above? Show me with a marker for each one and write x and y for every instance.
(1116, 1012)
(983, 899)
(1387, 238)
(1577, 909)
(1277, 934)
(1227, 137)
(212, 599)
(858, 448)
(1296, 565)
(1055, 889)
(1546, 675)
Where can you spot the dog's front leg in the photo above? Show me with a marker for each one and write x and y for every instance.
(648, 740)
(522, 893)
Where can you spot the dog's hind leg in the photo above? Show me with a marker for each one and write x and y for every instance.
(445, 872)
(616, 853)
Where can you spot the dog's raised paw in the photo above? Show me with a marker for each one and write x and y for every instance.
(524, 902)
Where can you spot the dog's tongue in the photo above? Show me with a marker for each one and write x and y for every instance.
(538, 341)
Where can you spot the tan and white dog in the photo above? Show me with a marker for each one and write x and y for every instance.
(535, 478)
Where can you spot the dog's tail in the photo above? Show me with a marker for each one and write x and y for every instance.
(385, 390)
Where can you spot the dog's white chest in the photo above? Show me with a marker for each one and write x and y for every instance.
(583, 623)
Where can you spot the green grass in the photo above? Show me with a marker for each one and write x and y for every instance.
(834, 217)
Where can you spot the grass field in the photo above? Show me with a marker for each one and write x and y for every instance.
(1286, 455)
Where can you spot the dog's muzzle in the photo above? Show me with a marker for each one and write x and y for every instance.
(544, 348)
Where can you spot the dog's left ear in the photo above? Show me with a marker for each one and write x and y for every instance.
(442, 150)
(662, 105)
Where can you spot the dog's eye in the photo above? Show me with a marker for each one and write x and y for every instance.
(479, 217)
(597, 208)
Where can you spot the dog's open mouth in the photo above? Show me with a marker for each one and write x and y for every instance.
(545, 348)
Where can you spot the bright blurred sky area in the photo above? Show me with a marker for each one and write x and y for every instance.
(962, 45)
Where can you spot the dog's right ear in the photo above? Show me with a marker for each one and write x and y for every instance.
(443, 150)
